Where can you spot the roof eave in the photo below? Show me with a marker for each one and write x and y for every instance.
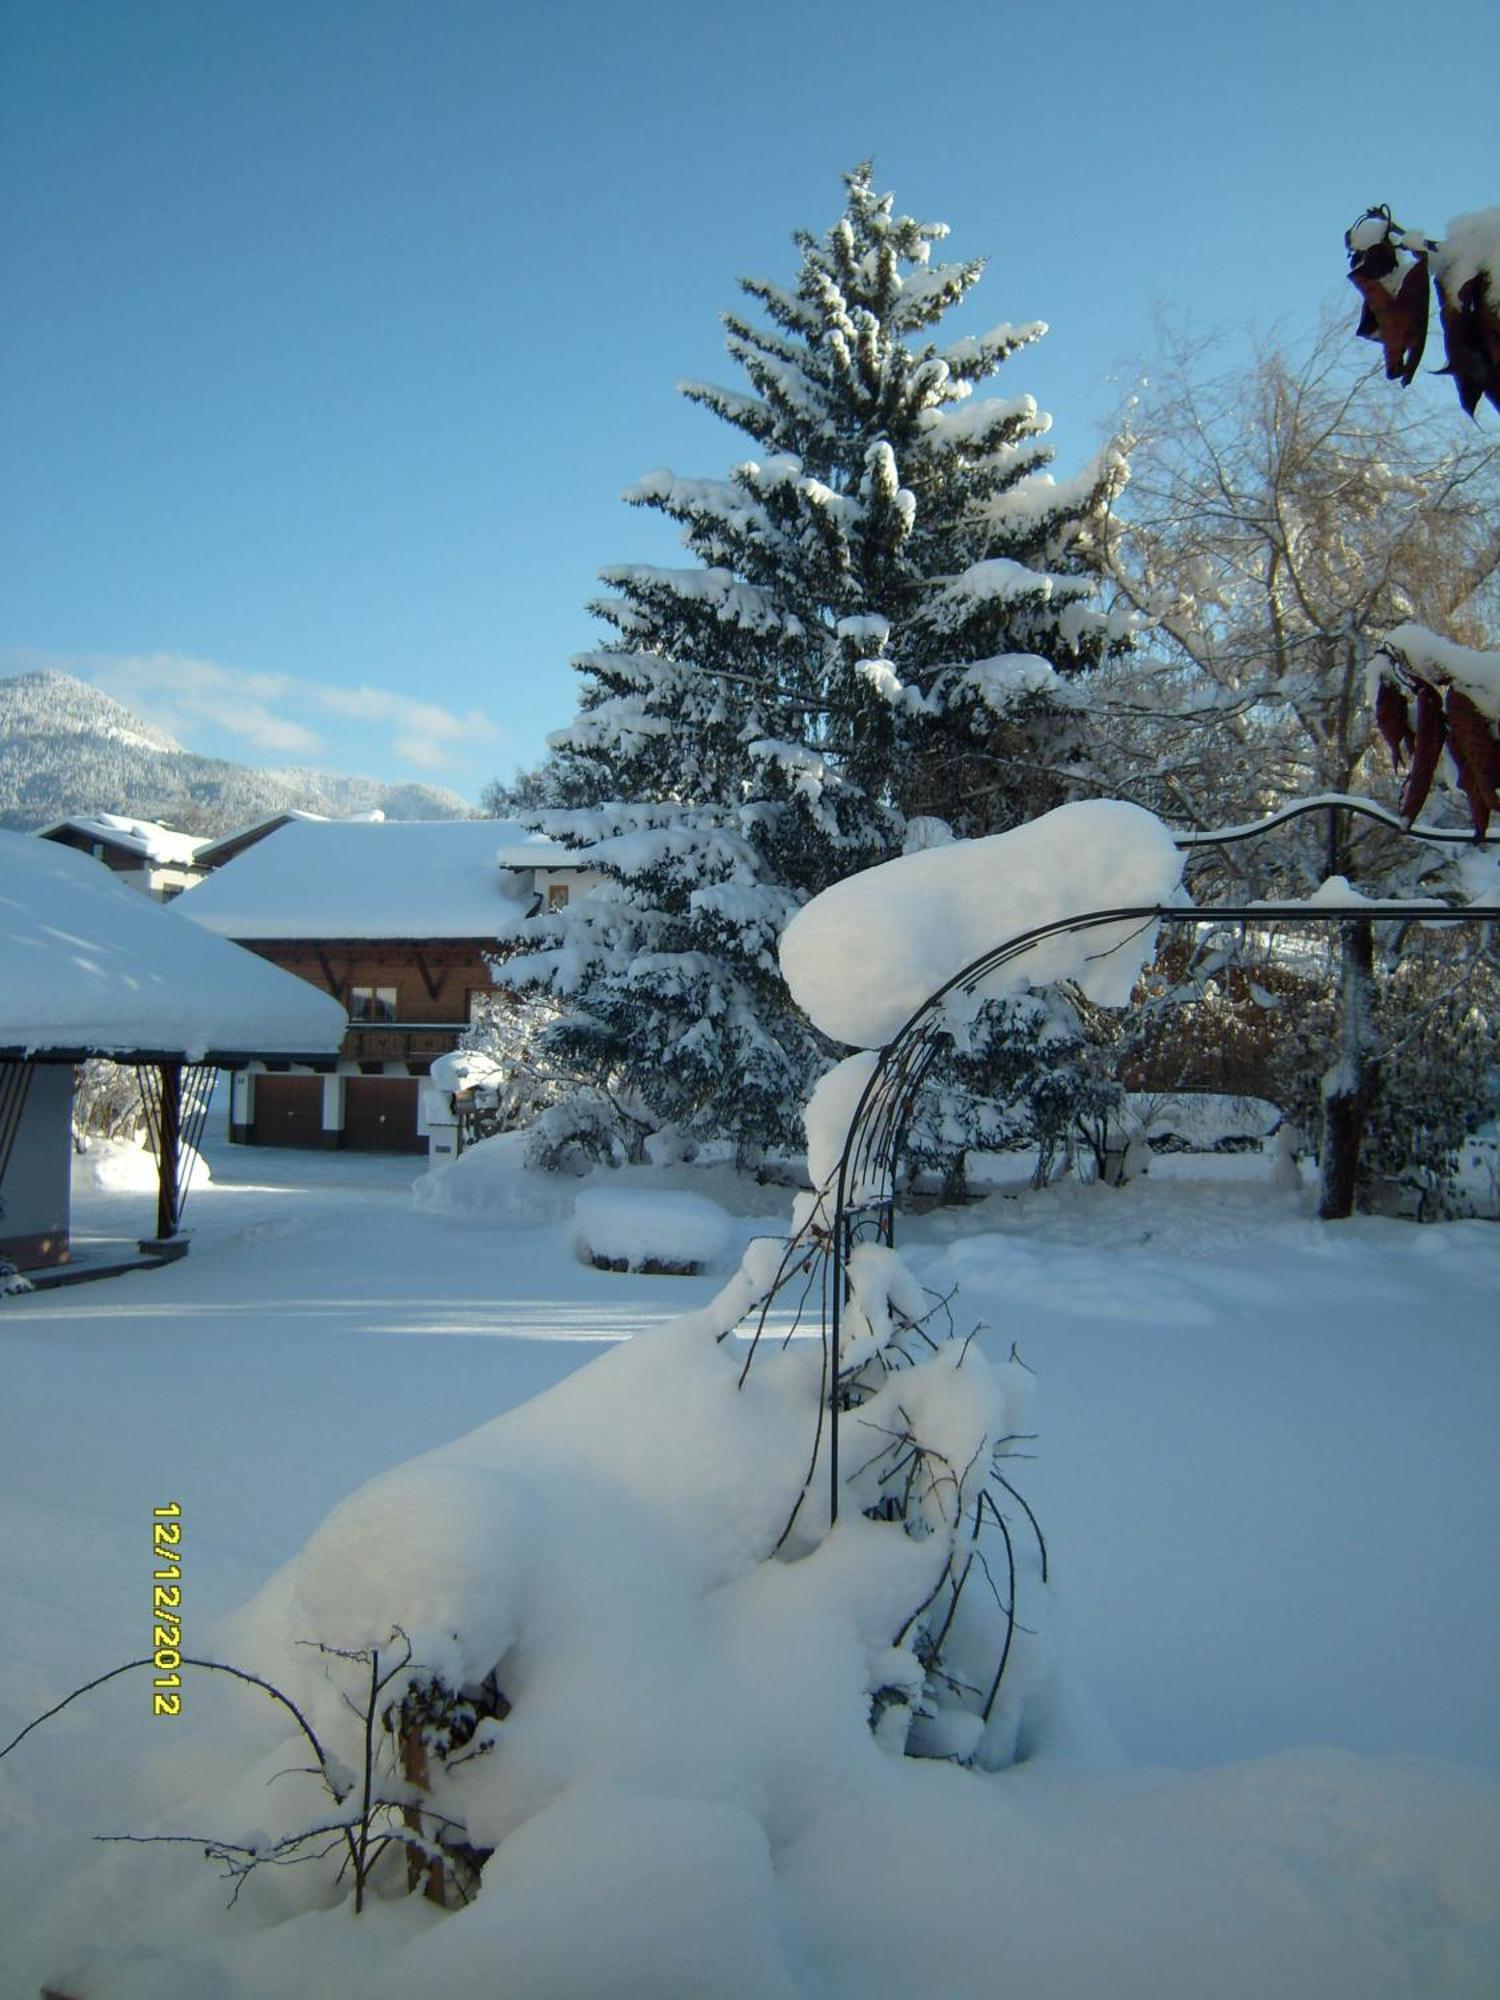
(139, 1058)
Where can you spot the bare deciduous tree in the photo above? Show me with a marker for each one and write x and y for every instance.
(1282, 516)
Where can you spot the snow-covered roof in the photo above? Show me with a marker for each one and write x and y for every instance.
(215, 852)
(537, 851)
(330, 879)
(91, 966)
(161, 844)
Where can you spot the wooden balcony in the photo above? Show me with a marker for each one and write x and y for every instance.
(400, 1041)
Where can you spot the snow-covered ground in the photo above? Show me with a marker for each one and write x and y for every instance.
(1267, 1474)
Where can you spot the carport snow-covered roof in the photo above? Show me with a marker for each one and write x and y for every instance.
(89, 966)
(389, 879)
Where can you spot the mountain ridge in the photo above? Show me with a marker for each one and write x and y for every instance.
(67, 748)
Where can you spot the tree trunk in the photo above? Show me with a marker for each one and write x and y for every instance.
(1349, 1086)
(429, 1874)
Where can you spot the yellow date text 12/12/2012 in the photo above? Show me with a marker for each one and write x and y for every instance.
(166, 1609)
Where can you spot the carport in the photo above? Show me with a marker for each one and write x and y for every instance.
(89, 967)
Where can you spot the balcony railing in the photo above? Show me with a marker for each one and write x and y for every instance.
(395, 1041)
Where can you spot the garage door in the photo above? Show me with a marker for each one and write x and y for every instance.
(288, 1111)
(380, 1114)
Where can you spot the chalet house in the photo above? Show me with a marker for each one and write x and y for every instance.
(394, 919)
(157, 860)
(93, 969)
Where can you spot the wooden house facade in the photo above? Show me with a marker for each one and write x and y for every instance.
(157, 860)
(396, 920)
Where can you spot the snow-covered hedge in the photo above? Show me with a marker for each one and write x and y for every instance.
(645, 1229)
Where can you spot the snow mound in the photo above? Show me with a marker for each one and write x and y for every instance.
(735, 1189)
(491, 1182)
(117, 1166)
(527, 1935)
(684, 1795)
(638, 1229)
(863, 956)
(678, 1704)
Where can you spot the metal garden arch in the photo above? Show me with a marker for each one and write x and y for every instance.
(865, 1186)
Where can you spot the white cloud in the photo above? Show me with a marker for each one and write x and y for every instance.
(423, 734)
(278, 714)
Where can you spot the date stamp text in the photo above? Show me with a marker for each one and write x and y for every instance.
(166, 1609)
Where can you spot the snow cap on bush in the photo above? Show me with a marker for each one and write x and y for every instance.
(863, 956)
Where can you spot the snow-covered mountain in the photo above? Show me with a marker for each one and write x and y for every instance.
(67, 748)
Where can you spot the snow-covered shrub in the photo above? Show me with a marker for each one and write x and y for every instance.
(1436, 1013)
(1032, 1071)
(501, 1061)
(107, 1102)
(649, 1229)
(632, 1585)
(519, 1064)
(1432, 1034)
(1478, 1175)
(120, 1166)
(493, 1182)
(589, 1127)
(628, 1588)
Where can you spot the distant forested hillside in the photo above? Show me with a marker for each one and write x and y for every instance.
(66, 748)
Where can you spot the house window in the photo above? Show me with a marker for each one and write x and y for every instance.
(372, 1003)
(557, 895)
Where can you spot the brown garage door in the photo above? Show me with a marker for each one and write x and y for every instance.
(288, 1111)
(380, 1114)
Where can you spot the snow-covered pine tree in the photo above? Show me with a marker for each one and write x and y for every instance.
(885, 615)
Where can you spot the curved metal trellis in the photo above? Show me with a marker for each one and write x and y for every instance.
(865, 1187)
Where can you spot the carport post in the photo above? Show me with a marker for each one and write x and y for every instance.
(169, 1149)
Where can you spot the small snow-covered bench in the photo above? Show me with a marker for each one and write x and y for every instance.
(648, 1229)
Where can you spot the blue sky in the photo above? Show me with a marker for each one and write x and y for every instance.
(330, 330)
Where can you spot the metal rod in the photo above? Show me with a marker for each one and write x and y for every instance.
(15, 1087)
(197, 1088)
